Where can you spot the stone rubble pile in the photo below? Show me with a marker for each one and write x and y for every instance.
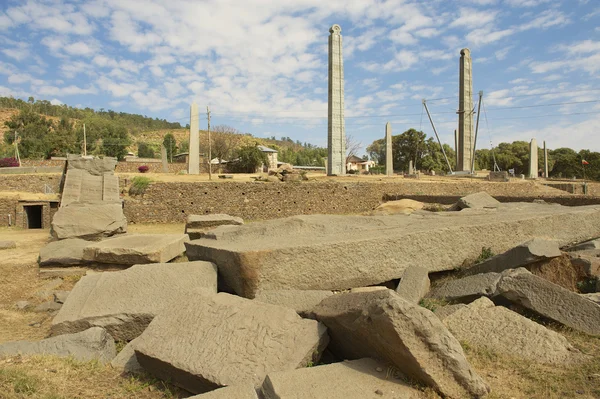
(314, 315)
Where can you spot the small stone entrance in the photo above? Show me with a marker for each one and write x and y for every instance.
(35, 214)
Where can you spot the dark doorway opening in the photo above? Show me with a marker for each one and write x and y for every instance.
(34, 216)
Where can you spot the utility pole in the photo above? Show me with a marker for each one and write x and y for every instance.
(84, 142)
(209, 145)
(438, 137)
(476, 130)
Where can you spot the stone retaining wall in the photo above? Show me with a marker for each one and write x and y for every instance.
(173, 202)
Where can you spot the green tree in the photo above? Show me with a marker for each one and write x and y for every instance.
(63, 140)
(31, 130)
(249, 159)
(145, 151)
(171, 145)
(567, 163)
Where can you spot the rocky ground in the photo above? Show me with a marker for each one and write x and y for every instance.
(47, 377)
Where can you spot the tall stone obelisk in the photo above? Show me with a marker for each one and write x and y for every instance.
(389, 160)
(194, 151)
(465, 112)
(336, 130)
(533, 159)
(545, 161)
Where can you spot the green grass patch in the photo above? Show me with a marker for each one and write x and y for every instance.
(139, 184)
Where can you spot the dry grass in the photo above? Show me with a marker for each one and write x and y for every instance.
(48, 377)
(519, 379)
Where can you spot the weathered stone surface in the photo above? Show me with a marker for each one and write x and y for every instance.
(500, 330)
(478, 200)
(467, 288)
(132, 249)
(94, 343)
(7, 245)
(533, 159)
(22, 305)
(88, 221)
(389, 159)
(272, 255)
(126, 360)
(336, 127)
(241, 391)
(207, 342)
(60, 296)
(383, 325)
(404, 206)
(49, 306)
(550, 300)
(465, 139)
(534, 250)
(64, 252)
(595, 297)
(302, 302)
(93, 166)
(588, 261)
(209, 221)
(586, 245)
(414, 284)
(125, 302)
(355, 379)
(444, 311)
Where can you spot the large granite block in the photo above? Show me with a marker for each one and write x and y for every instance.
(88, 221)
(317, 252)
(125, 302)
(204, 343)
(137, 248)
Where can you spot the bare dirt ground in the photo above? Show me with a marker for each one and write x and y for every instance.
(53, 378)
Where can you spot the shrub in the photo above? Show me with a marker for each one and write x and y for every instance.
(143, 168)
(486, 253)
(139, 185)
(8, 162)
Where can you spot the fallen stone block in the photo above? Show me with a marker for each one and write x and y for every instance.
(585, 246)
(414, 284)
(383, 325)
(89, 221)
(588, 262)
(64, 252)
(355, 379)
(94, 343)
(125, 302)
(535, 250)
(197, 225)
(126, 361)
(478, 201)
(207, 342)
(467, 288)
(60, 296)
(303, 302)
(404, 206)
(271, 255)
(549, 300)
(444, 311)
(49, 306)
(134, 249)
(500, 330)
(594, 297)
(7, 245)
(241, 391)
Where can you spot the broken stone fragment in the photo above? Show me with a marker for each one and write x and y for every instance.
(92, 344)
(125, 302)
(383, 325)
(483, 325)
(207, 342)
(414, 284)
(354, 379)
(134, 249)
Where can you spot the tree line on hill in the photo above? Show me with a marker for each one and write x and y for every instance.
(132, 122)
(427, 155)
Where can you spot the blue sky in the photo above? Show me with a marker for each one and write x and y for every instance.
(261, 65)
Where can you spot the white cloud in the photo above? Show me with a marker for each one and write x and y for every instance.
(56, 101)
(472, 18)
(65, 91)
(486, 35)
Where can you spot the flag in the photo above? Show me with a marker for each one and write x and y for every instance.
(584, 162)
